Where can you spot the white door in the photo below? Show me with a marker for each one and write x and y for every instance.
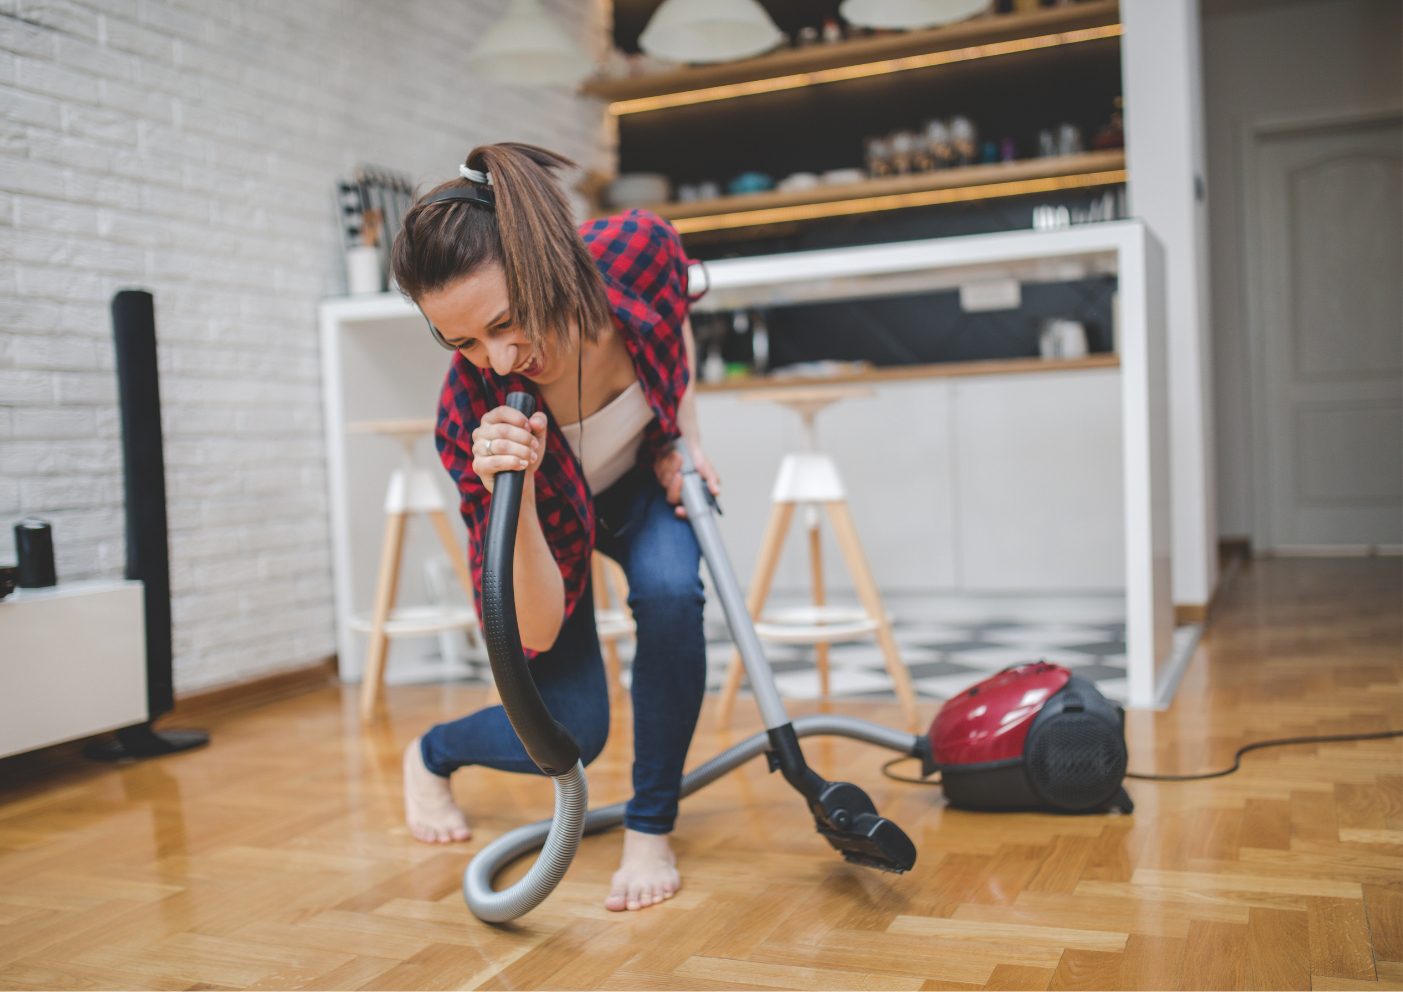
(1328, 317)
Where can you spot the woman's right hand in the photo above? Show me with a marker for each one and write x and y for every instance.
(505, 441)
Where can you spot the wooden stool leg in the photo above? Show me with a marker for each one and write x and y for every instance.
(612, 668)
(459, 558)
(386, 587)
(871, 600)
(770, 547)
(816, 572)
(455, 553)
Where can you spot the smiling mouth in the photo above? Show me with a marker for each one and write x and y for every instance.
(531, 368)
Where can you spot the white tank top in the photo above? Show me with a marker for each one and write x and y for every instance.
(613, 432)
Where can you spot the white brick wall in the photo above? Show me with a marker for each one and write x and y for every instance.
(190, 148)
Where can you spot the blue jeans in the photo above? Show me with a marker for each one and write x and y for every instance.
(639, 529)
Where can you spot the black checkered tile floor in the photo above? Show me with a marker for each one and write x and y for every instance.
(949, 652)
(946, 646)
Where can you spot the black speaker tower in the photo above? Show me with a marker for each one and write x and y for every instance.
(139, 397)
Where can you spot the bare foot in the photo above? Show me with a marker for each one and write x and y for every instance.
(429, 809)
(646, 876)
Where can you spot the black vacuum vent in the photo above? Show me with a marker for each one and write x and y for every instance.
(1076, 760)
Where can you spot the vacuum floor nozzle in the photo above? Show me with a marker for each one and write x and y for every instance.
(847, 819)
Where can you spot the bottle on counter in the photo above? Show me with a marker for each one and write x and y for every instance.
(714, 368)
(760, 344)
(738, 347)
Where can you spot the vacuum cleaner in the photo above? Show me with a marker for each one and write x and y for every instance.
(1031, 737)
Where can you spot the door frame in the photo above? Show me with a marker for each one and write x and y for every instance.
(1254, 133)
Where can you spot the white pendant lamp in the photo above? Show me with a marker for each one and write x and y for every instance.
(709, 31)
(906, 14)
(526, 47)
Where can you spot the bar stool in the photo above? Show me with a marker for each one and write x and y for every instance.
(810, 479)
(412, 490)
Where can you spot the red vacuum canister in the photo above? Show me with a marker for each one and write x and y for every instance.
(1032, 737)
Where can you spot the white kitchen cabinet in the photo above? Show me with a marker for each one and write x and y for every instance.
(1004, 483)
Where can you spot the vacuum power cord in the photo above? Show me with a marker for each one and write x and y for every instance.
(1220, 773)
(1257, 746)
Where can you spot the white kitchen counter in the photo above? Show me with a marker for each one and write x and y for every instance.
(378, 363)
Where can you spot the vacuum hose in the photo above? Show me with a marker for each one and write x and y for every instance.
(547, 743)
(844, 815)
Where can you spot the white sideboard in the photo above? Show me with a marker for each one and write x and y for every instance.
(72, 663)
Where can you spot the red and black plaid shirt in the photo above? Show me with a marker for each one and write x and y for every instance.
(644, 268)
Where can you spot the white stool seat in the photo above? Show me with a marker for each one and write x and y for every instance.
(613, 623)
(819, 633)
(815, 624)
(413, 621)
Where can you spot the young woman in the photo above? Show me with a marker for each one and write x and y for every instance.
(593, 322)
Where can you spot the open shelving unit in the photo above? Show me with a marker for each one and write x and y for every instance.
(980, 37)
(809, 110)
(974, 182)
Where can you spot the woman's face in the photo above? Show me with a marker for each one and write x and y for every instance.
(474, 315)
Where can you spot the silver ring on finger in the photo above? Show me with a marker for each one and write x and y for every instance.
(489, 445)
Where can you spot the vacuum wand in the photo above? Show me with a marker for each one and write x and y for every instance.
(842, 812)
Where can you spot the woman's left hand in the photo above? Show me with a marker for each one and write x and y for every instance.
(668, 470)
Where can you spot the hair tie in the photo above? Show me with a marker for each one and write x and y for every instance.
(473, 176)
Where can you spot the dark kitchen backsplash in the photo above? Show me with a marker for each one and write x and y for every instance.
(918, 329)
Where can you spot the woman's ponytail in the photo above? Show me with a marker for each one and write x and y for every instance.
(552, 282)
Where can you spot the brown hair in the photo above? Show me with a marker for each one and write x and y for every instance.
(551, 278)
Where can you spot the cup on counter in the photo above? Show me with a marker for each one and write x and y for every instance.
(1062, 338)
(1069, 141)
(363, 270)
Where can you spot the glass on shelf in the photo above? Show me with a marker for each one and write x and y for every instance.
(903, 152)
(877, 151)
(940, 149)
(965, 137)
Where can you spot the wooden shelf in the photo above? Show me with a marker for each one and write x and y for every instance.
(938, 370)
(974, 182)
(977, 38)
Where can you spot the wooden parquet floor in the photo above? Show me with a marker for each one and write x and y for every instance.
(276, 858)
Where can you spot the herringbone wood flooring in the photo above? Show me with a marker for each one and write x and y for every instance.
(276, 857)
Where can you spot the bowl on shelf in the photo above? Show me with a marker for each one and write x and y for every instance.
(637, 189)
(842, 177)
(797, 181)
(750, 182)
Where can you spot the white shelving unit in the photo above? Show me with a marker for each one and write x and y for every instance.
(379, 364)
